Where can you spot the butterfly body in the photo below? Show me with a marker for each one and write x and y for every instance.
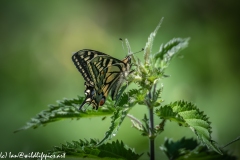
(102, 73)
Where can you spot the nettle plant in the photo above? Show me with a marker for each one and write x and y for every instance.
(147, 75)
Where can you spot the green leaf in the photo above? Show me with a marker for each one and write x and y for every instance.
(191, 150)
(166, 112)
(153, 96)
(128, 99)
(117, 119)
(136, 123)
(89, 149)
(65, 109)
(203, 153)
(118, 150)
(125, 103)
(167, 51)
(188, 115)
(123, 98)
(175, 149)
(146, 126)
(149, 44)
(81, 148)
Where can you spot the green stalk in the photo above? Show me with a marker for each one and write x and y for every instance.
(151, 137)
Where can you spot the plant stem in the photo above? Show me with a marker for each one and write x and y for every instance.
(151, 138)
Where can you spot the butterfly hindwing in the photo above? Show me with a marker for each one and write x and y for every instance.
(113, 79)
(92, 98)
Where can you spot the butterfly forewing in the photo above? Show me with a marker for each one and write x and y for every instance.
(81, 60)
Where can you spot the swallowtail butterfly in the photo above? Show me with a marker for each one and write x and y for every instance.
(102, 73)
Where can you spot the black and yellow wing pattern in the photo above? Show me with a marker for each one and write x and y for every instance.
(102, 73)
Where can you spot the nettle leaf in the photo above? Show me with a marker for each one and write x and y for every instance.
(89, 149)
(153, 96)
(190, 149)
(202, 153)
(166, 112)
(136, 123)
(67, 108)
(171, 48)
(162, 58)
(149, 44)
(128, 99)
(118, 150)
(188, 115)
(175, 149)
(81, 148)
(117, 119)
(125, 104)
(119, 96)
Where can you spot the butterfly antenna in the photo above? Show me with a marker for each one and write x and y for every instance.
(137, 52)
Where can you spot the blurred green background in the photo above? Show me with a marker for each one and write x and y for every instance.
(37, 39)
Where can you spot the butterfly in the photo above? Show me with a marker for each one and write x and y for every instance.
(102, 73)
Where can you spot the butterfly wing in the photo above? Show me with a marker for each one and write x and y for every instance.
(102, 73)
(89, 92)
(81, 59)
(115, 74)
